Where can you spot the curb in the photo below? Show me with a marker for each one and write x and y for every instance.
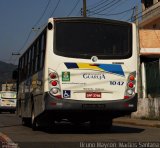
(5, 141)
(140, 123)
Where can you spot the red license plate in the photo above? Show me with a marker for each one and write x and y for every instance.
(93, 94)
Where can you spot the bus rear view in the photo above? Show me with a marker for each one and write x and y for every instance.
(92, 69)
(79, 69)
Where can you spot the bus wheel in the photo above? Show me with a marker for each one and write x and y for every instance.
(34, 122)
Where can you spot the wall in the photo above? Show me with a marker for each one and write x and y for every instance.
(148, 108)
(149, 38)
(149, 42)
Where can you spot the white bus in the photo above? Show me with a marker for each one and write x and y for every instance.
(79, 69)
(8, 101)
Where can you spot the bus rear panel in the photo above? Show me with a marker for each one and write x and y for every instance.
(92, 68)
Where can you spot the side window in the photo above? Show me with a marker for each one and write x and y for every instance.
(26, 64)
(23, 69)
(42, 49)
(33, 59)
(36, 55)
(29, 61)
(20, 70)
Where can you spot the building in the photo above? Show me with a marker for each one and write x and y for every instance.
(149, 34)
(150, 14)
(9, 87)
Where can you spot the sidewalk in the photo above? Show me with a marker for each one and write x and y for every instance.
(138, 122)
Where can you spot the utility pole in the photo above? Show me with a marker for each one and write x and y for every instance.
(84, 8)
(139, 82)
(136, 15)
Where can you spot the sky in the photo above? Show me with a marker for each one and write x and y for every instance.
(18, 17)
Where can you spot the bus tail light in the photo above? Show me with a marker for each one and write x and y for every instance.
(130, 87)
(130, 84)
(131, 77)
(52, 75)
(54, 84)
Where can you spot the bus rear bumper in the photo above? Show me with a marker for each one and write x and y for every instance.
(114, 108)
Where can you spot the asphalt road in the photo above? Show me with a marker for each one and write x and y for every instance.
(66, 135)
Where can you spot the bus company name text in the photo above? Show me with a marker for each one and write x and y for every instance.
(94, 76)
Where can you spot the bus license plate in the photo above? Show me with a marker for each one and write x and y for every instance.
(93, 94)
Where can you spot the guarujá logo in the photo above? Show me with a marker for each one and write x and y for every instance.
(65, 76)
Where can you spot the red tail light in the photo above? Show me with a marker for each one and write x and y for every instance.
(52, 75)
(131, 78)
(130, 85)
(54, 83)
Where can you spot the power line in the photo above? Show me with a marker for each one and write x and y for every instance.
(112, 4)
(95, 4)
(98, 4)
(73, 8)
(24, 44)
(25, 41)
(141, 12)
(118, 13)
(137, 16)
(128, 14)
(55, 8)
(34, 26)
(116, 6)
(43, 13)
(101, 7)
(37, 23)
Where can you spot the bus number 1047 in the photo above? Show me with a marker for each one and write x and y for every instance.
(116, 83)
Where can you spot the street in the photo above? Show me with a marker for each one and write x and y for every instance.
(73, 136)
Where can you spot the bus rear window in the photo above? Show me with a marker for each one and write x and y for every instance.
(84, 39)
